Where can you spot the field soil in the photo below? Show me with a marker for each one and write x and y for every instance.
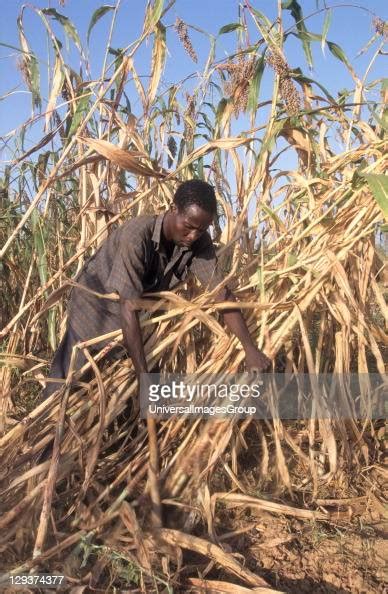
(308, 557)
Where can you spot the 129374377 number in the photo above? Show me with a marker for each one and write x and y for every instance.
(37, 580)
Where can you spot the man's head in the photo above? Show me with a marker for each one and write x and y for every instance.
(191, 213)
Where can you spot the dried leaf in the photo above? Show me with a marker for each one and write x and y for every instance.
(218, 587)
(56, 87)
(204, 547)
(236, 499)
(158, 60)
(126, 159)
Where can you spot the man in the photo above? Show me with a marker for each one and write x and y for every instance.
(148, 253)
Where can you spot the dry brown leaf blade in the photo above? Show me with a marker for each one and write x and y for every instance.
(126, 159)
(204, 547)
(206, 586)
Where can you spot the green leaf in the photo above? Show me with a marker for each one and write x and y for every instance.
(82, 106)
(230, 27)
(296, 11)
(254, 85)
(66, 23)
(114, 52)
(274, 217)
(368, 44)
(257, 279)
(96, 17)
(155, 13)
(326, 26)
(291, 259)
(220, 109)
(31, 67)
(39, 246)
(307, 36)
(270, 140)
(210, 58)
(35, 80)
(263, 20)
(181, 152)
(269, 33)
(13, 47)
(338, 53)
(300, 76)
(378, 184)
(43, 271)
(384, 93)
(383, 122)
(200, 168)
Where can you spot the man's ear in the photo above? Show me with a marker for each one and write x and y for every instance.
(173, 208)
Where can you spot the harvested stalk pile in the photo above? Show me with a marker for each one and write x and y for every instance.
(88, 489)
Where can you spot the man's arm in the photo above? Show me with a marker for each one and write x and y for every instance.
(233, 318)
(204, 266)
(132, 334)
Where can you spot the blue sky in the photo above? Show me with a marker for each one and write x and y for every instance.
(350, 28)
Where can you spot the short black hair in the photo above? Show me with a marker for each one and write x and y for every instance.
(198, 192)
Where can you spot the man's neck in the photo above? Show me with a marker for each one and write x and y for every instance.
(166, 233)
(167, 243)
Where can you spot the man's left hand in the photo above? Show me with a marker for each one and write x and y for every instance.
(256, 360)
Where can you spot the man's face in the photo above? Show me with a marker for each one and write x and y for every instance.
(189, 224)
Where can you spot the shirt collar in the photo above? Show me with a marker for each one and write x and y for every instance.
(157, 234)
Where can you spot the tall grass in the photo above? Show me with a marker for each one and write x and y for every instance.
(302, 247)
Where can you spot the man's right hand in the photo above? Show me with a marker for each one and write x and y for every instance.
(256, 360)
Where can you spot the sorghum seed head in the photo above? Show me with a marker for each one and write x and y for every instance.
(289, 95)
(172, 147)
(237, 87)
(381, 27)
(183, 34)
(278, 63)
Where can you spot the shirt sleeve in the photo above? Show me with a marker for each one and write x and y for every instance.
(126, 276)
(205, 264)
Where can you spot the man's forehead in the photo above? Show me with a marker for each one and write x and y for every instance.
(197, 216)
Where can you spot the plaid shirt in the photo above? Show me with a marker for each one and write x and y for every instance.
(130, 262)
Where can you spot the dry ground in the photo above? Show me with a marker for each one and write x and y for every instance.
(303, 557)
